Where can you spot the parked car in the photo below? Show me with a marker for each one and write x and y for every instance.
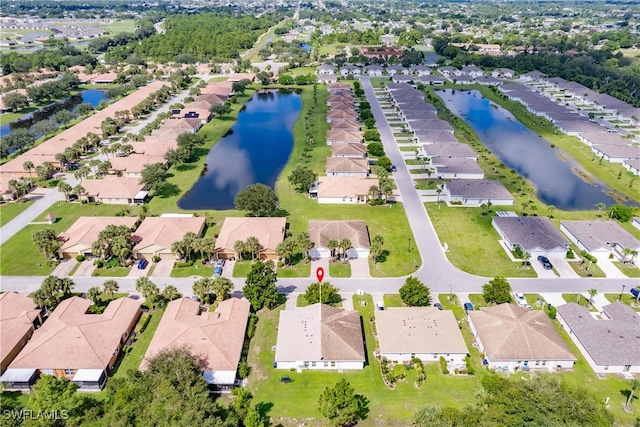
(635, 292)
(546, 264)
(520, 299)
(468, 306)
(220, 263)
(394, 168)
(525, 305)
(380, 305)
(142, 264)
(217, 271)
(438, 306)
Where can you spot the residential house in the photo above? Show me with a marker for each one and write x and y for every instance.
(429, 124)
(600, 238)
(616, 153)
(472, 70)
(449, 149)
(335, 136)
(431, 80)
(19, 317)
(513, 337)
(349, 149)
(534, 234)
(341, 114)
(79, 238)
(503, 73)
(402, 78)
(155, 235)
(346, 166)
(434, 136)
(327, 78)
(236, 77)
(475, 192)
(425, 333)
(338, 86)
(347, 124)
(131, 166)
(345, 70)
(321, 232)
(215, 337)
(420, 70)
(326, 69)
(188, 112)
(632, 165)
(373, 70)
(342, 189)
(609, 344)
(114, 190)
(392, 70)
(320, 337)
(75, 344)
(456, 168)
(532, 76)
(268, 231)
(380, 52)
(449, 71)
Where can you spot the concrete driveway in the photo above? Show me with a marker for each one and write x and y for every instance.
(553, 298)
(542, 273)
(610, 269)
(324, 263)
(360, 267)
(227, 269)
(85, 269)
(64, 268)
(135, 272)
(563, 267)
(163, 268)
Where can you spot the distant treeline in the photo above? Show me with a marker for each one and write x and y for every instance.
(202, 36)
(60, 54)
(600, 70)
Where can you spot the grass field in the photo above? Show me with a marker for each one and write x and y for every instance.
(339, 269)
(197, 269)
(392, 300)
(627, 299)
(8, 211)
(132, 360)
(19, 254)
(298, 269)
(301, 71)
(111, 272)
(628, 269)
(578, 299)
(120, 26)
(473, 242)
(327, 50)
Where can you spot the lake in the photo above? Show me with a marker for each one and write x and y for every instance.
(255, 150)
(91, 96)
(531, 156)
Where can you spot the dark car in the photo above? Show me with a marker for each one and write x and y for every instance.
(438, 306)
(546, 264)
(468, 306)
(394, 168)
(142, 264)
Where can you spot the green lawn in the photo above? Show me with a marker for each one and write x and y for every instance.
(327, 50)
(8, 211)
(19, 254)
(301, 71)
(241, 268)
(120, 26)
(197, 269)
(392, 300)
(627, 298)
(477, 300)
(473, 242)
(578, 299)
(581, 269)
(132, 360)
(533, 299)
(339, 269)
(111, 272)
(299, 269)
(629, 270)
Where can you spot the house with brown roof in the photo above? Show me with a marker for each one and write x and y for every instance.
(190, 112)
(236, 77)
(77, 345)
(611, 344)
(19, 317)
(131, 166)
(154, 146)
(347, 166)
(216, 337)
(79, 238)
(349, 149)
(321, 232)
(319, 337)
(114, 190)
(343, 135)
(268, 231)
(337, 86)
(423, 332)
(600, 238)
(155, 235)
(341, 114)
(347, 124)
(342, 189)
(513, 337)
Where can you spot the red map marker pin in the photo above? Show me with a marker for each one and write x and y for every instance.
(320, 274)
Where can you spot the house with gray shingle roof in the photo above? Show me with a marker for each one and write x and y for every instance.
(600, 238)
(319, 337)
(456, 168)
(434, 123)
(611, 344)
(449, 149)
(632, 165)
(513, 337)
(475, 192)
(533, 234)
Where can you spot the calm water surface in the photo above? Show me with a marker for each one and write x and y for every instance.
(528, 154)
(256, 150)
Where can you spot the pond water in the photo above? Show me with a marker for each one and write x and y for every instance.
(91, 96)
(531, 156)
(306, 47)
(255, 150)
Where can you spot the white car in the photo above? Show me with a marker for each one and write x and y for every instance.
(520, 299)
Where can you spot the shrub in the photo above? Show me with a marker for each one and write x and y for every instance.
(243, 369)
(552, 313)
(184, 264)
(443, 365)
(156, 258)
(113, 262)
(251, 328)
(280, 264)
(80, 258)
(570, 254)
(98, 263)
(142, 323)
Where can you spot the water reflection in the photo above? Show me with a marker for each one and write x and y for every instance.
(552, 172)
(256, 150)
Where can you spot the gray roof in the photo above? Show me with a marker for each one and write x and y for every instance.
(601, 234)
(434, 123)
(531, 232)
(618, 151)
(320, 232)
(456, 165)
(580, 125)
(449, 149)
(478, 189)
(419, 330)
(509, 332)
(614, 341)
(413, 115)
(319, 332)
(431, 136)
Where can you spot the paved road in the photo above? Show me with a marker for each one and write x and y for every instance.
(30, 214)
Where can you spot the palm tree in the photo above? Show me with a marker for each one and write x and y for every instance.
(78, 190)
(94, 294)
(28, 166)
(239, 247)
(202, 287)
(550, 209)
(208, 247)
(601, 207)
(634, 384)
(345, 245)
(222, 287)
(170, 293)
(333, 244)
(526, 257)
(110, 287)
(148, 289)
(305, 244)
(65, 188)
(592, 293)
(253, 245)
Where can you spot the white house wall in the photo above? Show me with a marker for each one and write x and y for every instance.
(358, 253)
(456, 358)
(319, 252)
(320, 365)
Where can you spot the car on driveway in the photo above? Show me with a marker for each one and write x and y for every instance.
(220, 263)
(520, 299)
(142, 264)
(217, 271)
(546, 264)
(468, 307)
(438, 306)
(394, 168)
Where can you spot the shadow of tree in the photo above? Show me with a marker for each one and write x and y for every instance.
(167, 190)
(383, 256)
(185, 167)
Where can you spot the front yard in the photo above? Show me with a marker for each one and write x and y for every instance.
(8, 211)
